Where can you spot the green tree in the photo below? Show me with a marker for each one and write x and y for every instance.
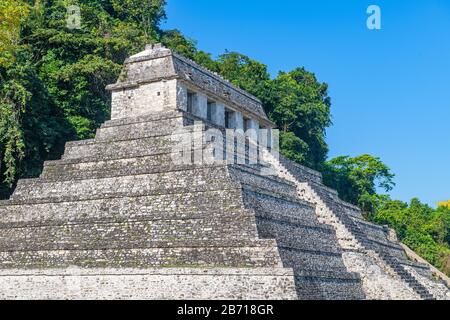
(444, 204)
(175, 40)
(13, 95)
(301, 105)
(54, 88)
(187, 47)
(244, 72)
(12, 14)
(424, 229)
(144, 14)
(357, 179)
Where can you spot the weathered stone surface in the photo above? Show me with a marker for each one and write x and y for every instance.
(146, 72)
(142, 284)
(116, 218)
(369, 250)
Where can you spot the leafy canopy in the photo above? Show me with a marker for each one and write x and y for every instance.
(53, 78)
(12, 14)
(357, 179)
(424, 229)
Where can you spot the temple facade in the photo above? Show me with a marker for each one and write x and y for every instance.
(117, 218)
(158, 79)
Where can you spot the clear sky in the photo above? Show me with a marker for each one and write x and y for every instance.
(390, 88)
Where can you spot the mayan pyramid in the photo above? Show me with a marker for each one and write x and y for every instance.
(118, 218)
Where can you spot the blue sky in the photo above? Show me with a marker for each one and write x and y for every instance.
(390, 88)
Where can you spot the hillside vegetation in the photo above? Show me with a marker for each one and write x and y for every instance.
(52, 90)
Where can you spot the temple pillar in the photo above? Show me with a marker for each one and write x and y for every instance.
(218, 114)
(200, 106)
(252, 129)
(236, 121)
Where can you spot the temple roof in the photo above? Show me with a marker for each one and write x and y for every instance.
(157, 63)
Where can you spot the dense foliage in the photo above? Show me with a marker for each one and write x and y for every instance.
(358, 179)
(52, 89)
(53, 78)
(423, 229)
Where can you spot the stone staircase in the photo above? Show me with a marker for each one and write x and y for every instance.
(305, 244)
(116, 207)
(357, 235)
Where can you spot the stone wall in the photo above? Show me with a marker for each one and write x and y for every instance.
(144, 284)
(148, 98)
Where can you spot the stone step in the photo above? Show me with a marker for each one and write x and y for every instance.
(144, 144)
(321, 189)
(260, 253)
(351, 209)
(151, 117)
(96, 167)
(406, 276)
(376, 234)
(326, 275)
(180, 180)
(185, 204)
(88, 167)
(113, 284)
(298, 237)
(328, 285)
(155, 144)
(267, 199)
(299, 222)
(287, 198)
(419, 265)
(311, 259)
(138, 130)
(281, 209)
(301, 173)
(113, 182)
(127, 234)
(249, 176)
(371, 236)
(152, 143)
(361, 222)
(309, 288)
(378, 244)
(386, 245)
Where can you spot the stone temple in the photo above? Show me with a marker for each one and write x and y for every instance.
(117, 218)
